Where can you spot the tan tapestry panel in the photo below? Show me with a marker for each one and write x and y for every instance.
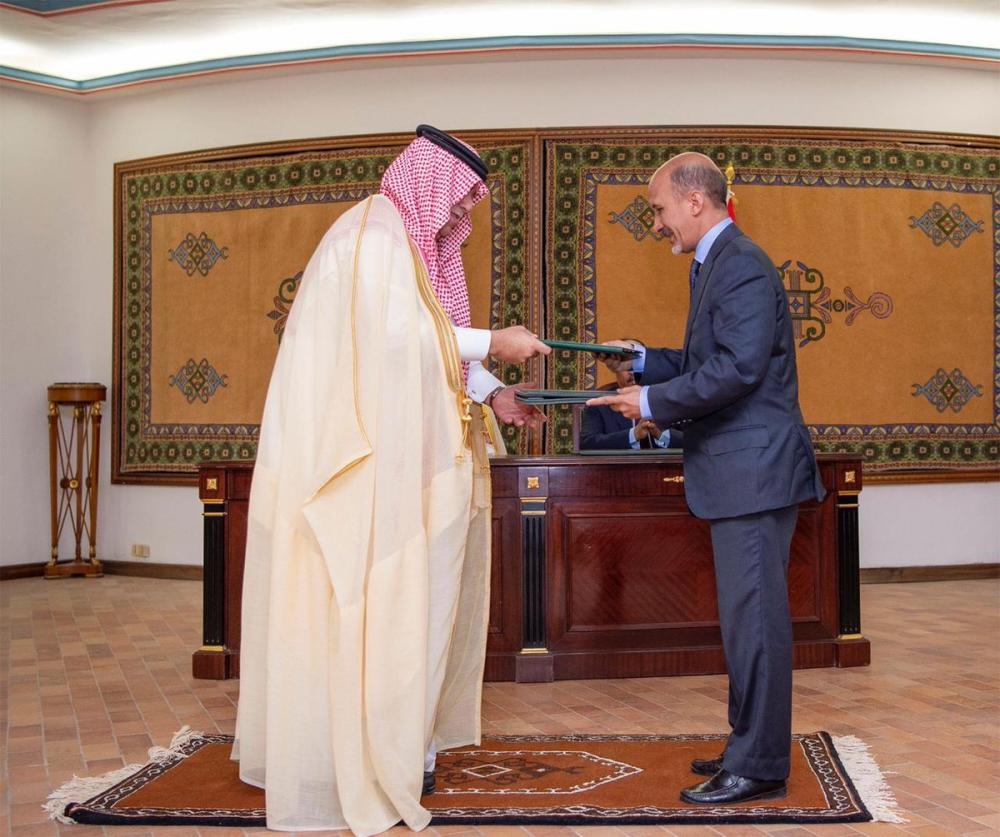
(916, 307)
(888, 246)
(210, 248)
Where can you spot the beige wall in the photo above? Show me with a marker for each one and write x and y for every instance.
(56, 263)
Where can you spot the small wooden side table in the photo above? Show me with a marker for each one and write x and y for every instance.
(74, 448)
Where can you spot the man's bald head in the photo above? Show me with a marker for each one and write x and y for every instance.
(691, 170)
(688, 197)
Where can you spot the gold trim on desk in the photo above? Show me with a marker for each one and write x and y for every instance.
(533, 506)
(850, 636)
(213, 514)
(212, 648)
(532, 651)
(674, 479)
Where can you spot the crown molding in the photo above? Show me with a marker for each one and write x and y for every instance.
(689, 45)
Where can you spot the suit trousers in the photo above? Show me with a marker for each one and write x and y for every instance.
(751, 571)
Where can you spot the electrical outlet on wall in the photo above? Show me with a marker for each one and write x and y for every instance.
(140, 550)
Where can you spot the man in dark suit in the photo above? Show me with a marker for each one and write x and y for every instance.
(601, 428)
(748, 461)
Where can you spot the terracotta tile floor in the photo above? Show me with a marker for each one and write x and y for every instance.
(95, 671)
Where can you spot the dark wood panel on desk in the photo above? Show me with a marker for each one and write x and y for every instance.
(628, 572)
(620, 572)
(598, 570)
(812, 567)
(625, 475)
(638, 578)
(224, 489)
(504, 634)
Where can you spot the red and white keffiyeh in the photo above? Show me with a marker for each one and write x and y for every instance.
(424, 183)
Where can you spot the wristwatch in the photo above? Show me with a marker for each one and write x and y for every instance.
(488, 400)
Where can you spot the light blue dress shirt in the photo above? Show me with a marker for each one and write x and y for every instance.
(700, 254)
(662, 442)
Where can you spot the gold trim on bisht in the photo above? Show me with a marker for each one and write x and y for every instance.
(449, 345)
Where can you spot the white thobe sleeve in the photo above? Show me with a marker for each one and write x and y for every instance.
(473, 346)
(481, 382)
(473, 343)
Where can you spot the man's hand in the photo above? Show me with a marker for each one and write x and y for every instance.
(616, 363)
(625, 401)
(651, 427)
(515, 344)
(511, 411)
(645, 429)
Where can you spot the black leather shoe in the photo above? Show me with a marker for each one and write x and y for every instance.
(726, 788)
(428, 783)
(707, 767)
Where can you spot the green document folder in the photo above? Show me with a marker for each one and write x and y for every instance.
(541, 397)
(598, 348)
(629, 452)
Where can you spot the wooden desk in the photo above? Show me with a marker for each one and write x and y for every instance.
(599, 570)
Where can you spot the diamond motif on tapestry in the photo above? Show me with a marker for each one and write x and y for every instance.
(198, 254)
(948, 390)
(637, 218)
(198, 381)
(943, 224)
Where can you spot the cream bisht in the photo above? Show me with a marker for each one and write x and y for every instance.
(365, 595)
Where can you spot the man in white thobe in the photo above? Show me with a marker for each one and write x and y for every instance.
(365, 596)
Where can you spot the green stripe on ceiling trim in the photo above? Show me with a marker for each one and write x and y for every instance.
(818, 43)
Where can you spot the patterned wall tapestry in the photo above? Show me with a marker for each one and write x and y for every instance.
(888, 244)
(210, 249)
(889, 249)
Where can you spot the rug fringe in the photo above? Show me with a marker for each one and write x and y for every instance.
(868, 779)
(183, 736)
(81, 788)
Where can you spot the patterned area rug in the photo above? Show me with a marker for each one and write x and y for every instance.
(559, 780)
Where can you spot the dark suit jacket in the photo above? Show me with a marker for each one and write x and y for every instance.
(601, 428)
(734, 388)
